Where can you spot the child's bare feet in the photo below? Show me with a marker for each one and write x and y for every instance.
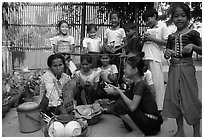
(179, 134)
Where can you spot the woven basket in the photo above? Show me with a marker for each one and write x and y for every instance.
(94, 120)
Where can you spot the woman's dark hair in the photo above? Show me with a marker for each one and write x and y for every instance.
(88, 58)
(91, 26)
(183, 6)
(53, 57)
(150, 12)
(137, 62)
(61, 22)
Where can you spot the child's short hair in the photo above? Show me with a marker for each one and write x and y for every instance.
(91, 26)
(130, 26)
(53, 57)
(86, 57)
(115, 12)
(150, 12)
(61, 22)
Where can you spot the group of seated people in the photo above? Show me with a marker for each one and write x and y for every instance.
(63, 89)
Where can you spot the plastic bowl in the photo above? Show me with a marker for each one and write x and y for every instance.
(56, 129)
(72, 129)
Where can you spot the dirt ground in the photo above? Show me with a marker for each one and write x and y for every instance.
(109, 126)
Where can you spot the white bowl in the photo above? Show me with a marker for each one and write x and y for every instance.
(72, 129)
(56, 129)
(110, 90)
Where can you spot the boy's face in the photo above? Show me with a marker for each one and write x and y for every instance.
(130, 33)
(115, 20)
(151, 21)
(92, 33)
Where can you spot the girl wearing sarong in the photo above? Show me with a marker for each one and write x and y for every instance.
(181, 96)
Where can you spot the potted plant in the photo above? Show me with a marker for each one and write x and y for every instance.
(32, 85)
(14, 84)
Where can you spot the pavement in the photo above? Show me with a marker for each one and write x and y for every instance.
(109, 125)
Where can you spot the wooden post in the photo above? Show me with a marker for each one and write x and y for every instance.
(83, 22)
(136, 17)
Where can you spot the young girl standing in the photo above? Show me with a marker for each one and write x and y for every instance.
(181, 97)
(52, 84)
(92, 44)
(63, 43)
(136, 106)
(113, 40)
(86, 80)
(114, 36)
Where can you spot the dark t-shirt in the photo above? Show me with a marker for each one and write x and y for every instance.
(147, 103)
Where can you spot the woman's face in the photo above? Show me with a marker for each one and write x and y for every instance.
(128, 70)
(57, 66)
(180, 19)
(105, 60)
(64, 28)
(86, 66)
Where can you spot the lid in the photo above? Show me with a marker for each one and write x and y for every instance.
(28, 106)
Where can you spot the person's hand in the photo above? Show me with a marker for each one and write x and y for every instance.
(168, 53)
(187, 49)
(148, 37)
(117, 90)
(110, 48)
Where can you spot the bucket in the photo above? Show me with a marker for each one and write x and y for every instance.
(29, 117)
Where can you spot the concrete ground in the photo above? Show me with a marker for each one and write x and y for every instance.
(109, 126)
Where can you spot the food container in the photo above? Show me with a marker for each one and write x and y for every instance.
(29, 117)
(92, 113)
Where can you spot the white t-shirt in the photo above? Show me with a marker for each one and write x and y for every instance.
(92, 78)
(148, 77)
(64, 43)
(111, 69)
(115, 35)
(152, 50)
(93, 45)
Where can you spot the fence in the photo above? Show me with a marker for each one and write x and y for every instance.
(30, 27)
